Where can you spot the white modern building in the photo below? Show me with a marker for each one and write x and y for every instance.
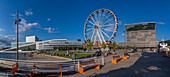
(33, 43)
(32, 39)
(49, 44)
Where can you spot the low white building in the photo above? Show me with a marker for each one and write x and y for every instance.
(33, 43)
(49, 44)
(32, 39)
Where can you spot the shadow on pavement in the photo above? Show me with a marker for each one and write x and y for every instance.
(149, 65)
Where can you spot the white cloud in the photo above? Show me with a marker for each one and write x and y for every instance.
(21, 36)
(109, 29)
(13, 15)
(25, 27)
(162, 23)
(28, 12)
(1, 30)
(48, 19)
(6, 41)
(9, 35)
(50, 30)
(120, 23)
(20, 15)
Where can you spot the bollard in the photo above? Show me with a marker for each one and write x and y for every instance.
(78, 66)
(102, 60)
(14, 68)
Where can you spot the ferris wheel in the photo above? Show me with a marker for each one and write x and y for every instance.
(101, 25)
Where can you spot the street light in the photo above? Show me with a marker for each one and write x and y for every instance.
(16, 22)
(124, 38)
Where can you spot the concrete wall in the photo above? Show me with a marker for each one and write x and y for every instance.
(141, 38)
(141, 34)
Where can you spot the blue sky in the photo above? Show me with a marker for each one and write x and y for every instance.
(65, 19)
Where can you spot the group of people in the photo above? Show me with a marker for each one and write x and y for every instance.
(99, 53)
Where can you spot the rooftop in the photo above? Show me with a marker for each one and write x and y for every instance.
(143, 23)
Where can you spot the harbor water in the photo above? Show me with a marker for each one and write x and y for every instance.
(7, 55)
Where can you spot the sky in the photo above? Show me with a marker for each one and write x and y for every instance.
(65, 19)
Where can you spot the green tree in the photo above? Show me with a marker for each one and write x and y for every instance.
(123, 47)
(127, 47)
(61, 48)
(120, 47)
(75, 47)
(80, 48)
(114, 45)
(66, 48)
(89, 44)
(54, 47)
(103, 45)
(57, 47)
(134, 47)
(70, 47)
(130, 47)
(110, 48)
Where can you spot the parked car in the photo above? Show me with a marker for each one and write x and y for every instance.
(130, 50)
(134, 50)
(98, 53)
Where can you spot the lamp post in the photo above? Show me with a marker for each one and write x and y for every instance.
(16, 22)
(124, 38)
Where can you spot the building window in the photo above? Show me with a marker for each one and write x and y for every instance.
(66, 42)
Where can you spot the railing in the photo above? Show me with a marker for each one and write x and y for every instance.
(26, 65)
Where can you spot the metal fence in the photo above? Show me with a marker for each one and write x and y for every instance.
(24, 66)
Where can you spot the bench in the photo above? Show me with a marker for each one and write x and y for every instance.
(117, 58)
(87, 64)
(165, 54)
(6, 64)
(126, 56)
(45, 68)
(9, 64)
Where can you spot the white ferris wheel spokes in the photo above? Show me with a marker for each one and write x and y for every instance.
(101, 25)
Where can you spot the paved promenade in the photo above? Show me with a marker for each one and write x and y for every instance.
(148, 64)
(42, 57)
(145, 64)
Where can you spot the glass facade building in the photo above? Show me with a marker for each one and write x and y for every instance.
(20, 44)
(44, 45)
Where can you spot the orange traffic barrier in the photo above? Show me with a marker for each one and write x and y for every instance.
(14, 68)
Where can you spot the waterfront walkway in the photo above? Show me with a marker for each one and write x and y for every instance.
(148, 64)
(42, 57)
(142, 64)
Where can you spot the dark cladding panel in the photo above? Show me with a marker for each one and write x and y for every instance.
(140, 26)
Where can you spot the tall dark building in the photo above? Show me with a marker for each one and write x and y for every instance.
(142, 35)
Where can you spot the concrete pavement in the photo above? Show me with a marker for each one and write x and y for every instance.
(109, 67)
(150, 64)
